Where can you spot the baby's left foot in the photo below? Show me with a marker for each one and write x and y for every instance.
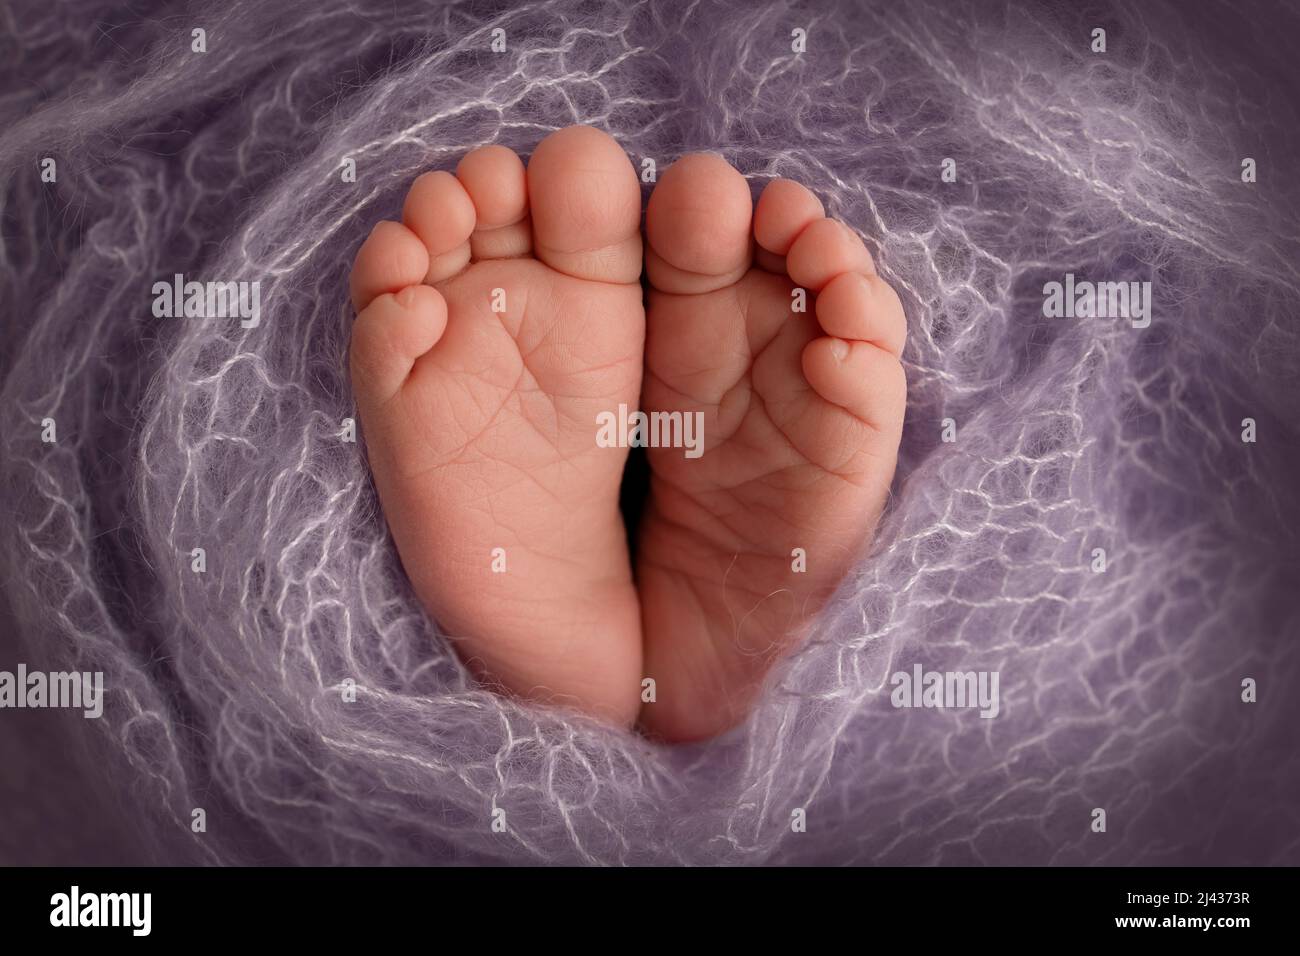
(802, 413)
(495, 323)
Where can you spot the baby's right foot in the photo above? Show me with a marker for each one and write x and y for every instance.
(496, 321)
(802, 411)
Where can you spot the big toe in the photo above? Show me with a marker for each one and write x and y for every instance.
(586, 206)
(697, 226)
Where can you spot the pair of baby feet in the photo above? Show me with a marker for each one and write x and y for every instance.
(504, 317)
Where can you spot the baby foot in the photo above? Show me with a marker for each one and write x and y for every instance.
(494, 323)
(802, 415)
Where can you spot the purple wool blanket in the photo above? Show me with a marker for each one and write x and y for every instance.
(1100, 511)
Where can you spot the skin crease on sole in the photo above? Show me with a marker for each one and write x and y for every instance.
(480, 421)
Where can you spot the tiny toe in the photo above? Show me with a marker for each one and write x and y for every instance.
(822, 251)
(585, 204)
(391, 258)
(390, 334)
(784, 210)
(698, 226)
(864, 380)
(439, 211)
(865, 307)
(496, 182)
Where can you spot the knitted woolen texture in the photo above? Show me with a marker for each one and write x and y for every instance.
(225, 690)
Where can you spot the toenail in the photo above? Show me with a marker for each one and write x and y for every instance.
(839, 349)
(406, 298)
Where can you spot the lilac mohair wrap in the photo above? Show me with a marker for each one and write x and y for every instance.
(226, 689)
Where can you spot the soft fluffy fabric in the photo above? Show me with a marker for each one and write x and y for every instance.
(1121, 690)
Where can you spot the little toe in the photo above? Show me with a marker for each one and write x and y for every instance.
(864, 307)
(864, 380)
(585, 203)
(390, 334)
(391, 258)
(698, 226)
(822, 251)
(439, 211)
(785, 209)
(497, 184)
